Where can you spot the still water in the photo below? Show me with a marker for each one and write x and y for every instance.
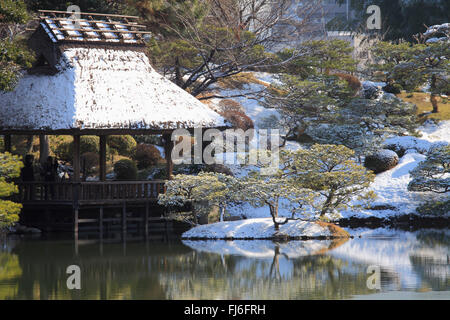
(413, 265)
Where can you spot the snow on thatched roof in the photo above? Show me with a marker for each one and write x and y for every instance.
(99, 88)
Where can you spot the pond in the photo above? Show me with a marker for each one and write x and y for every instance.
(408, 265)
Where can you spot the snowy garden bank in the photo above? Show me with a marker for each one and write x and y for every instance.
(263, 228)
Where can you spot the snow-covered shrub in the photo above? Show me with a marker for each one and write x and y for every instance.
(146, 155)
(125, 169)
(437, 208)
(381, 161)
(125, 145)
(402, 144)
(433, 174)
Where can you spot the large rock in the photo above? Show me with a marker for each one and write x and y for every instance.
(370, 90)
(381, 161)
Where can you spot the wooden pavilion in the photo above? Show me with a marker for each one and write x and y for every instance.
(92, 77)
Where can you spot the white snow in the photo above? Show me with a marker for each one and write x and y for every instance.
(262, 228)
(260, 249)
(103, 88)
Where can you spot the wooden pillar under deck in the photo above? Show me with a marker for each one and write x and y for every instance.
(7, 142)
(147, 209)
(102, 158)
(124, 217)
(100, 222)
(76, 180)
(168, 147)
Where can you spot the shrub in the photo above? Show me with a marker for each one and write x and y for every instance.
(90, 161)
(125, 169)
(125, 145)
(352, 81)
(437, 208)
(147, 155)
(64, 150)
(230, 105)
(238, 119)
(381, 161)
(395, 88)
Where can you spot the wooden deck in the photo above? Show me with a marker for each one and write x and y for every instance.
(134, 199)
(82, 193)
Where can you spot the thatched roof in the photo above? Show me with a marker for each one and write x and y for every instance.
(101, 88)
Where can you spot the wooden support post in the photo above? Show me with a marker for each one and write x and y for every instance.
(7, 142)
(100, 222)
(75, 220)
(168, 147)
(76, 158)
(124, 217)
(102, 158)
(147, 209)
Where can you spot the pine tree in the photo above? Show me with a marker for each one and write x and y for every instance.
(9, 168)
(429, 65)
(201, 192)
(331, 173)
(13, 55)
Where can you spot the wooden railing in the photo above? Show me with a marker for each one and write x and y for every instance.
(89, 191)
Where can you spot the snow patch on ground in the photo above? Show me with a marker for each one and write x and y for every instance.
(256, 229)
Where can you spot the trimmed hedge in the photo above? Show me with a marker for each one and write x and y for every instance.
(125, 145)
(125, 169)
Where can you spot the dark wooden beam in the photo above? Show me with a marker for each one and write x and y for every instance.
(76, 158)
(7, 142)
(102, 158)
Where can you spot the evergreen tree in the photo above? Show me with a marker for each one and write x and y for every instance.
(199, 42)
(9, 168)
(201, 191)
(429, 65)
(13, 54)
(330, 172)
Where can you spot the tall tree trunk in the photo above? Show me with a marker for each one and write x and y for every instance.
(29, 146)
(44, 148)
(433, 96)
(178, 76)
(274, 214)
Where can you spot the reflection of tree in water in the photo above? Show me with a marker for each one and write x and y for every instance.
(432, 261)
(10, 272)
(309, 277)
